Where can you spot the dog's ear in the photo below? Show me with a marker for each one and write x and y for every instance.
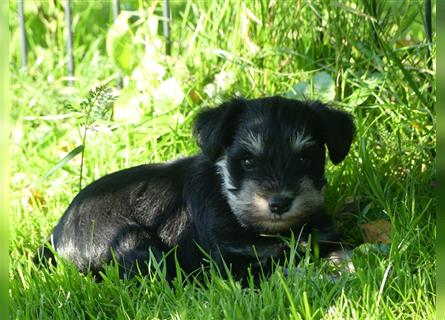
(214, 128)
(339, 130)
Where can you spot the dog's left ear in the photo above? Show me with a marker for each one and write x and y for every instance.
(214, 128)
(339, 130)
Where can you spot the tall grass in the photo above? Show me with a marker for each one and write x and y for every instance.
(380, 62)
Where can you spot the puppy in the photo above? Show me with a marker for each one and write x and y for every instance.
(260, 172)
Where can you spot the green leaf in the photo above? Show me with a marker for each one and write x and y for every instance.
(369, 254)
(163, 124)
(127, 107)
(125, 52)
(324, 87)
(365, 89)
(64, 161)
(168, 96)
(300, 91)
(359, 96)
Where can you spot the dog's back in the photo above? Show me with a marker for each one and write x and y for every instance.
(123, 214)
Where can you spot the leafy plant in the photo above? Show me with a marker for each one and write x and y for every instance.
(97, 106)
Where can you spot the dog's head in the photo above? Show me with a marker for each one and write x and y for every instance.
(270, 154)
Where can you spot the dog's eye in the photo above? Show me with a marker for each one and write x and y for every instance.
(302, 159)
(248, 163)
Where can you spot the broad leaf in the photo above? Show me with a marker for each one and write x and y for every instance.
(324, 87)
(127, 107)
(300, 91)
(125, 52)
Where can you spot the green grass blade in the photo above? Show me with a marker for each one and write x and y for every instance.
(64, 161)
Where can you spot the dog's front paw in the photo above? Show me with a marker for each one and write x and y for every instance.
(342, 260)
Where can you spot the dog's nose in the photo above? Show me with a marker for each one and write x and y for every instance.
(279, 204)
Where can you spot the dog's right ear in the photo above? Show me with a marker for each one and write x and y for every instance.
(214, 128)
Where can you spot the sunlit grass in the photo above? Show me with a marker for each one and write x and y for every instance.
(374, 51)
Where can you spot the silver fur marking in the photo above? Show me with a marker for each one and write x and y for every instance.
(226, 180)
(254, 143)
(301, 141)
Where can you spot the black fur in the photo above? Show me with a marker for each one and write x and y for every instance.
(184, 204)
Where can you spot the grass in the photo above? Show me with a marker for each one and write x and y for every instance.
(380, 68)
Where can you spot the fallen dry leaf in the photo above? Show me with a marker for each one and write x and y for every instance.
(32, 197)
(378, 231)
(195, 96)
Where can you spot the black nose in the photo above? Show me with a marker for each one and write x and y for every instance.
(279, 204)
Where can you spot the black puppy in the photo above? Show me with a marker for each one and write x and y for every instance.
(261, 171)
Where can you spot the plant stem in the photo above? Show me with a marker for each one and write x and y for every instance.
(84, 138)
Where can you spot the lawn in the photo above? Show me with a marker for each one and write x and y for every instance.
(374, 59)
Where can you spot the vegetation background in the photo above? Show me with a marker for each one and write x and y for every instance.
(4, 158)
(440, 174)
(375, 59)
